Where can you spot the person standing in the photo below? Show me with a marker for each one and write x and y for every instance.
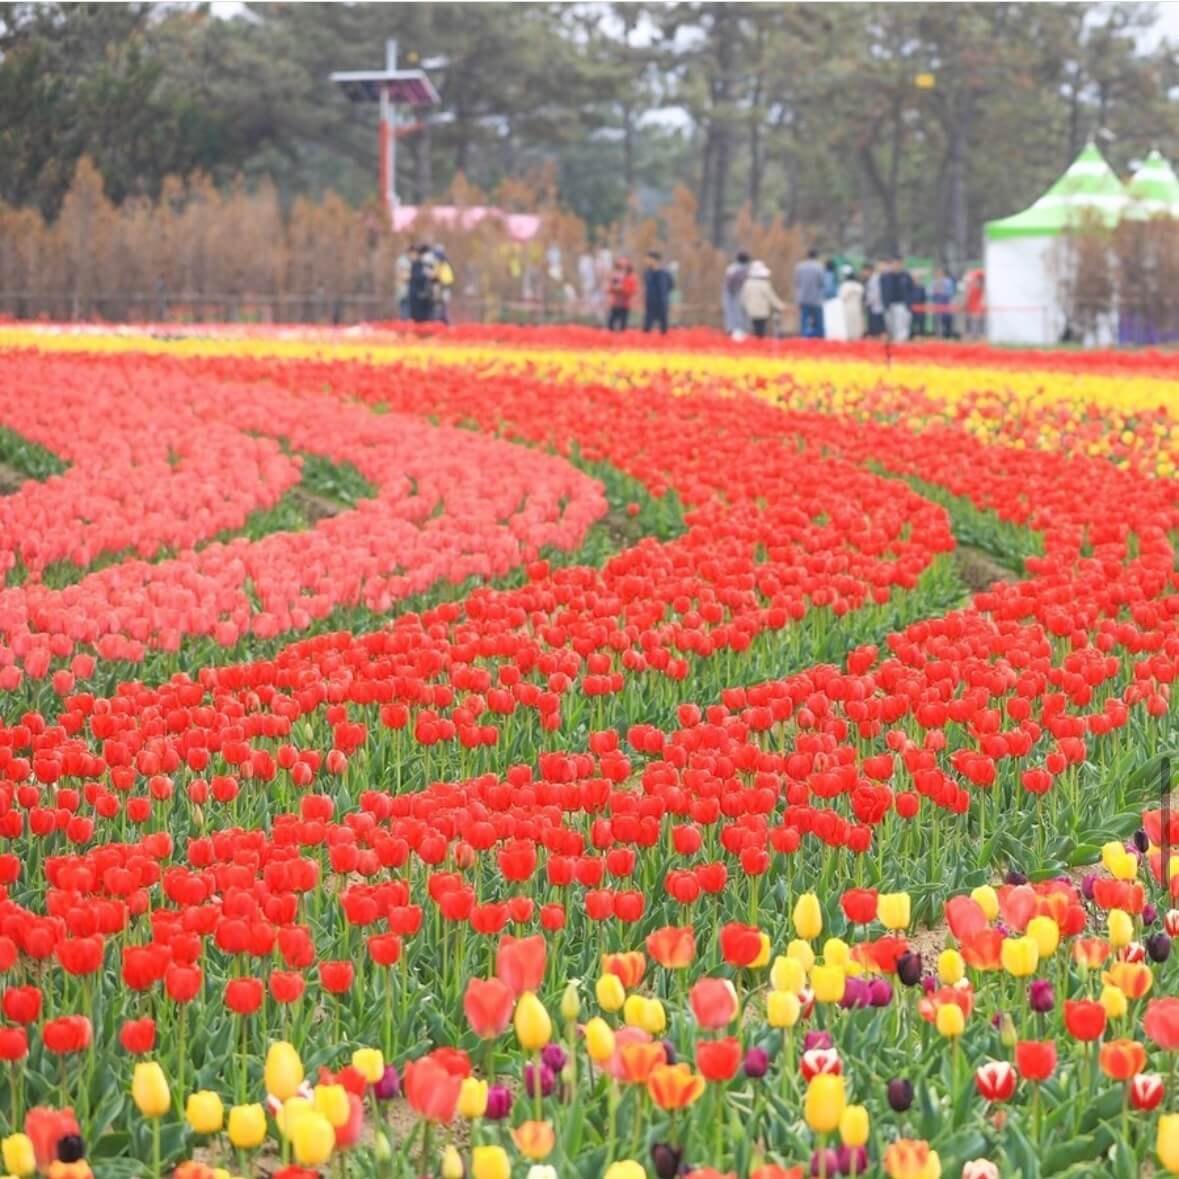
(896, 288)
(421, 285)
(851, 295)
(657, 287)
(759, 299)
(623, 287)
(736, 321)
(941, 295)
(873, 299)
(443, 285)
(401, 273)
(809, 277)
(917, 300)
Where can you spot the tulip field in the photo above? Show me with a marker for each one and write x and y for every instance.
(521, 754)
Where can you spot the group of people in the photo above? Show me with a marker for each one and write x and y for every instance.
(658, 283)
(882, 299)
(425, 282)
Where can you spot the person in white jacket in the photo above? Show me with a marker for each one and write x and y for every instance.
(851, 295)
(759, 299)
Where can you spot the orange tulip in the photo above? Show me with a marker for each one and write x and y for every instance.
(982, 950)
(962, 996)
(1122, 1059)
(1091, 952)
(534, 1140)
(628, 967)
(519, 962)
(674, 1086)
(1133, 979)
(488, 1006)
(673, 946)
(639, 1059)
(909, 1158)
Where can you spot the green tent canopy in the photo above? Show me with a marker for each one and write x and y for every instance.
(1089, 184)
(1154, 188)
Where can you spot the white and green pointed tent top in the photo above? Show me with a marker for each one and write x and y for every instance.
(1089, 184)
(1154, 188)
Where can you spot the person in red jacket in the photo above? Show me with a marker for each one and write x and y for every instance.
(623, 288)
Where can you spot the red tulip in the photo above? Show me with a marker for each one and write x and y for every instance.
(46, 1128)
(1084, 1018)
(183, 983)
(1146, 1091)
(859, 905)
(1035, 1059)
(243, 996)
(431, 1091)
(714, 1003)
(66, 1034)
(138, 1036)
(14, 1044)
(520, 962)
(740, 944)
(336, 977)
(384, 948)
(488, 1006)
(286, 986)
(672, 946)
(995, 1081)
(22, 1004)
(1161, 1022)
(718, 1060)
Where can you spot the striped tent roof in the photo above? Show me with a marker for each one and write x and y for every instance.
(1154, 188)
(1089, 183)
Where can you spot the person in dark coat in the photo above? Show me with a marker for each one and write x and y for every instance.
(657, 287)
(421, 285)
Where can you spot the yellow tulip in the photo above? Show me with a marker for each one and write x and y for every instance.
(292, 1110)
(801, 951)
(472, 1102)
(149, 1090)
(204, 1112)
(653, 1017)
(1119, 862)
(950, 967)
(950, 1020)
(788, 974)
(570, 1004)
(632, 1010)
(534, 1029)
(627, 1169)
(283, 1073)
(987, 899)
(1121, 928)
(894, 909)
(1113, 999)
(783, 1009)
(763, 955)
(828, 983)
(452, 1163)
(19, 1157)
(247, 1126)
(808, 917)
(599, 1040)
(1046, 934)
(836, 952)
(825, 1102)
(1020, 956)
(369, 1063)
(312, 1139)
(853, 1126)
(610, 992)
(332, 1102)
(1167, 1142)
(490, 1162)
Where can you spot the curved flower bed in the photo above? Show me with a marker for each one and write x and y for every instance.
(766, 849)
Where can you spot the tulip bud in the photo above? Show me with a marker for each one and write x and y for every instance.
(757, 1063)
(909, 968)
(1007, 1033)
(247, 1126)
(987, 899)
(204, 1112)
(665, 1158)
(900, 1094)
(599, 1040)
(312, 1138)
(653, 1017)
(1141, 840)
(853, 1126)
(472, 1101)
(283, 1072)
(950, 967)
(610, 992)
(1158, 946)
(894, 910)
(570, 1003)
(499, 1103)
(19, 1157)
(787, 974)
(533, 1026)
(632, 1011)
(825, 1102)
(1149, 914)
(1015, 877)
(1167, 1142)
(382, 1148)
(370, 1063)
(951, 1021)
(808, 917)
(452, 1163)
(1041, 998)
(149, 1090)
(782, 1009)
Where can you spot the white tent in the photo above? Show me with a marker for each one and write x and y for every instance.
(1023, 258)
(1154, 189)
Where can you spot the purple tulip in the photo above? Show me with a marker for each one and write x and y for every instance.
(389, 1085)
(499, 1103)
(817, 1039)
(1150, 914)
(880, 992)
(853, 1158)
(757, 1063)
(825, 1162)
(546, 1079)
(855, 993)
(553, 1056)
(1087, 882)
(1041, 997)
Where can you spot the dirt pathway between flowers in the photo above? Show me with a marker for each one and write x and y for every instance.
(11, 479)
